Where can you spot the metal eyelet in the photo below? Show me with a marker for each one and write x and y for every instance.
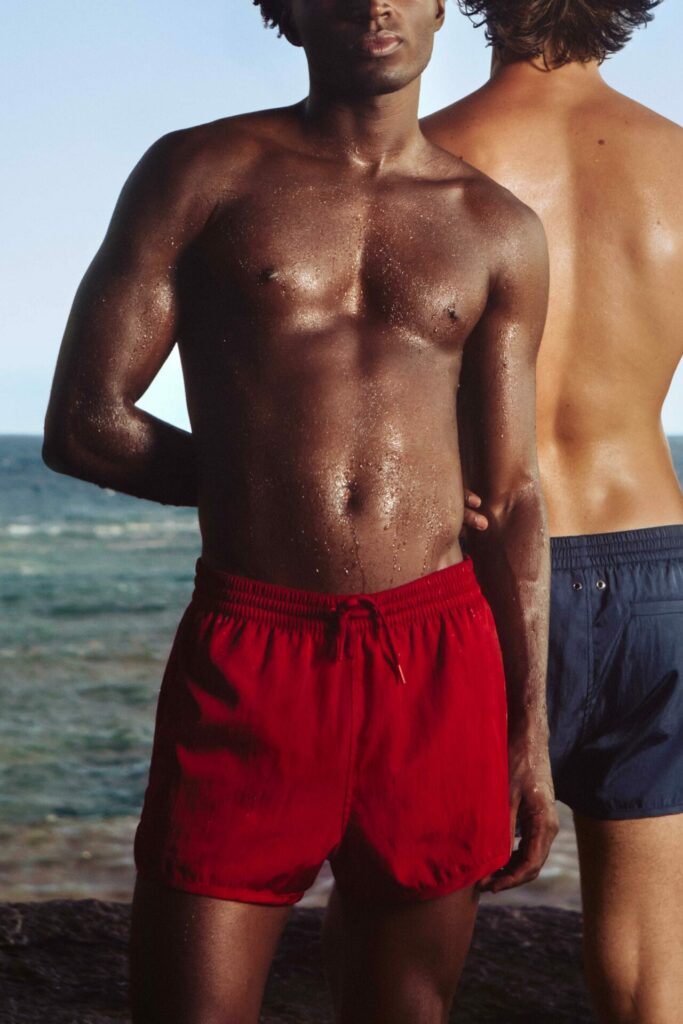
(601, 585)
(577, 585)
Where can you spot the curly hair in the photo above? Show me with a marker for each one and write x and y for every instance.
(272, 11)
(560, 31)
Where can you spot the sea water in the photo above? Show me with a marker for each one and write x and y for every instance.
(92, 585)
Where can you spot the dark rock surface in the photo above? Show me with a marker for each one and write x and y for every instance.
(64, 962)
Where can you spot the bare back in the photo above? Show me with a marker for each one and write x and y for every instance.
(603, 174)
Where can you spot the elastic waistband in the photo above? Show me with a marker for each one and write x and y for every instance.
(286, 606)
(655, 544)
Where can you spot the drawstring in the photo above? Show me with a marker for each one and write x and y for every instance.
(351, 604)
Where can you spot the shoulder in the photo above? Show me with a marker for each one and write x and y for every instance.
(516, 239)
(447, 126)
(509, 222)
(485, 198)
(643, 150)
(519, 248)
(440, 125)
(505, 224)
(637, 133)
(196, 164)
(636, 115)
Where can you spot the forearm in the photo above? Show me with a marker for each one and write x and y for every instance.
(121, 447)
(512, 562)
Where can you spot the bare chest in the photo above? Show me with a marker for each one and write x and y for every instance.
(307, 256)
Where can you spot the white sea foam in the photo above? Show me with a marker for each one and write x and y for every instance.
(103, 531)
(19, 530)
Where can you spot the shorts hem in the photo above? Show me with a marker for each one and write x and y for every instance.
(395, 894)
(467, 878)
(222, 892)
(624, 812)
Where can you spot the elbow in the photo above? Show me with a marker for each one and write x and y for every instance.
(58, 449)
(525, 496)
(83, 440)
(66, 448)
(54, 440)
(49, 455)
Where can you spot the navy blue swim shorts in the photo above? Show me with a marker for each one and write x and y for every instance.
(615, 673)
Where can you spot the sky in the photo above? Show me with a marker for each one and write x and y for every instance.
(88, 85)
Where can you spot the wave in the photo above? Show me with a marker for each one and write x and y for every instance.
(56, 656)
(99, 530)
(89, 609)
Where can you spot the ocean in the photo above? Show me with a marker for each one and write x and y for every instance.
(92, 585)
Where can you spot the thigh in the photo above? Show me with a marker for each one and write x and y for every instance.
(397, 964)
(196, 959)
(632, 887)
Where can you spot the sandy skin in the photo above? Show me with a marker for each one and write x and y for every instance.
(603, 173)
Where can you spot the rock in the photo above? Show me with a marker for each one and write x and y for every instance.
(65, 962)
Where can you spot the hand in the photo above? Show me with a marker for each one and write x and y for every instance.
(532, 808)
(476, 520)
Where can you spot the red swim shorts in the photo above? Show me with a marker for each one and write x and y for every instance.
(294, 727)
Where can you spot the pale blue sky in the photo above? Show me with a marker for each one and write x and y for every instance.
(87, 85)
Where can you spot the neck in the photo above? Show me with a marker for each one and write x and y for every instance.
(534, 74)
(368, 130)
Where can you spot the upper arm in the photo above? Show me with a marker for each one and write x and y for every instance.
(123, 320)
(497, 398)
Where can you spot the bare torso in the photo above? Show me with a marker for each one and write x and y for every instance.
(322, 316)
(346, 297)
(323, 300)
(603, 174)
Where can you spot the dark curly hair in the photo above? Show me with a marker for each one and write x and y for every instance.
(560, 31)
(272, 11)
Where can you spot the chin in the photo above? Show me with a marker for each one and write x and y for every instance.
(380, 82)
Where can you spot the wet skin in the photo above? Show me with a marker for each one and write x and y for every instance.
(329, 278)
(341, 477)
(321, 303)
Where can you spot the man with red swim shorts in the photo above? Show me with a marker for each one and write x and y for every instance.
(336, 685)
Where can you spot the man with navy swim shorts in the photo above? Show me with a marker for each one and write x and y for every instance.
(603, 173)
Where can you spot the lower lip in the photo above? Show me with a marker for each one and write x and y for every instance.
(379, 47)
